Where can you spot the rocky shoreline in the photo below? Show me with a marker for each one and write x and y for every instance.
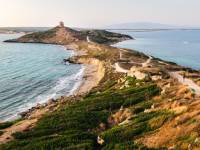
(93, 73)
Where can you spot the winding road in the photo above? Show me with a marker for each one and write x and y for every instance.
(88, 39)
(145, 64)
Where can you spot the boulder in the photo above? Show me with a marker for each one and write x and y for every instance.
(156, 78)
(100, 140)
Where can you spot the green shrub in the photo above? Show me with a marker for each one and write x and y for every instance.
(4, 125)
(141, 107)
(1, 132)
(140, 124)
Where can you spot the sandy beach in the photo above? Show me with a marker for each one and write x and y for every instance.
(89, 80)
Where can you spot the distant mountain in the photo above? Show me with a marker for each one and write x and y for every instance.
(142, 25)
(23, 29)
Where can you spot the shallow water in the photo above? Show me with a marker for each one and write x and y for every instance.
(33, 73)
(180, 46)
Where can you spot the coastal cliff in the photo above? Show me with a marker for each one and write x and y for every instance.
(136, 101)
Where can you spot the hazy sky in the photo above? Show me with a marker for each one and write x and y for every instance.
(98, 13)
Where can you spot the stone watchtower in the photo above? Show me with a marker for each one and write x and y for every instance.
(61, 24)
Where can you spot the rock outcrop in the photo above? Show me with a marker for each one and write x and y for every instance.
(135, 72)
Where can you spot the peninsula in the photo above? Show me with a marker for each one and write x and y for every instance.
(128, 100)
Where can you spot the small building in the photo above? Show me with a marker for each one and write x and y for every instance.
(61, 24)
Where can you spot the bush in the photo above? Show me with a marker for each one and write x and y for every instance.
(140, 124)
(1, 132)
(5, 125)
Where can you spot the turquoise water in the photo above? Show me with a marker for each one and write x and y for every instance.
(33, 73)
(180, 46)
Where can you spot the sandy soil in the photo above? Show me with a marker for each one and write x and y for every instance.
(22, 125)
(90, 79)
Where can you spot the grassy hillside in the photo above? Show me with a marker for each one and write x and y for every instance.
(78, 125)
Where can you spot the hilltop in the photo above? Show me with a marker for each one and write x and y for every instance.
(136, 102)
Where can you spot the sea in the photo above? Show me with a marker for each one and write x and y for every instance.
(181, 46)
(31, 74)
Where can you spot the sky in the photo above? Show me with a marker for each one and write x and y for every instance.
(97, 13)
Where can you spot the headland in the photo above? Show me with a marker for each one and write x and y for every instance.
(128, 100)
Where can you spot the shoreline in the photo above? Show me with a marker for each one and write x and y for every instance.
(44, 102)
(27, 119)
(88, 80)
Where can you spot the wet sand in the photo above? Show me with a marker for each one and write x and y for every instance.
(89, 80)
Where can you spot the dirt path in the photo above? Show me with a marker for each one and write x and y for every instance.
(22, 125)
(146, 63)
(19, 127)
(191, 84)
(118, 68)
(88, 39)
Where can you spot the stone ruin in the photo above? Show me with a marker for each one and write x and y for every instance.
(61, 24)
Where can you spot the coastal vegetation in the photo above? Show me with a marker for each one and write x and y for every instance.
(136, 105)
(77, 126)
(41, 35)
(5, 125)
